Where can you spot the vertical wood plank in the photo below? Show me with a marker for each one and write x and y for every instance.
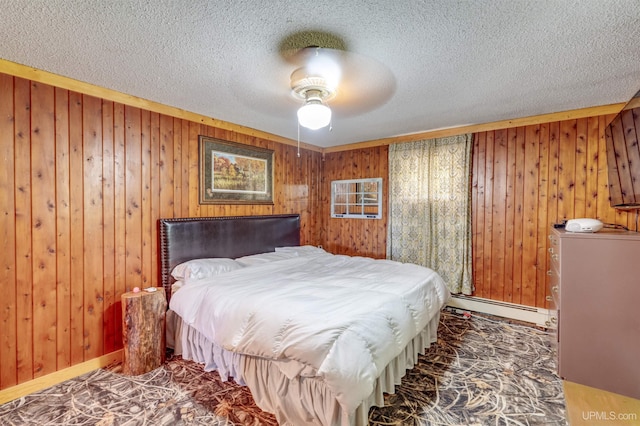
(510, 213)
(519, 215)
(348, 243)
(43, 222)
(166, 167)
(194, 184)
(488, 217)
(591, 187)
(325, 208)
(530, 205)
(108, 229)
(369, 231)
(498, 213)
(154, 196)
(605, 212)
(567, 169)
(8, 303)
(76, 232)
(552, 189)
(478, 176)
(322, 221)
(552, 140)
(177, 171)
(325, 203)
(554, 172)
(147, 221)
(23, 214)
(580, 200)
(185, 165)
(383, 172)
(133, 191)
(306, 211)
(543, 224)
(280, 157)
(93, 230)
(119, 215)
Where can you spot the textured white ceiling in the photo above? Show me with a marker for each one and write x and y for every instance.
(448, 62)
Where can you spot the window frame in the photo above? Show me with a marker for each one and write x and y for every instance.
(354, 202)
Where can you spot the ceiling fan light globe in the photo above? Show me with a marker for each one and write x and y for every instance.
(314, 116)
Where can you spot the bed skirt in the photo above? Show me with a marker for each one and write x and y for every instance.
(295, 399)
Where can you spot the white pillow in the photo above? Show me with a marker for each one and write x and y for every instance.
(258, 259)
(301, 250)
(203, 268)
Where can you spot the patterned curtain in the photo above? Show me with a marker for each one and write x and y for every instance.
(430, 207)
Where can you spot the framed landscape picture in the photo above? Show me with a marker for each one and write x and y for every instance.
(233, 173)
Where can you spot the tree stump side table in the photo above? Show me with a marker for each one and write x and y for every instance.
(143, 330)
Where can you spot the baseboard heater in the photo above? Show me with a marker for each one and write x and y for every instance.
(538, 316)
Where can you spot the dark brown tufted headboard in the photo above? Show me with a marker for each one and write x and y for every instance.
(195, 238)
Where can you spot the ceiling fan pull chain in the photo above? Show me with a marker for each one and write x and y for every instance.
(298, 139)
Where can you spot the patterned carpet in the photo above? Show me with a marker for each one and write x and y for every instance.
(482, 371)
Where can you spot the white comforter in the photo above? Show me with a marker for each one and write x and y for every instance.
(339, 318)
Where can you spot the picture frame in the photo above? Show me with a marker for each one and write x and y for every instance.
(233, 173)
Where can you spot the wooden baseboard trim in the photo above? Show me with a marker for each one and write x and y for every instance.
(23, 389)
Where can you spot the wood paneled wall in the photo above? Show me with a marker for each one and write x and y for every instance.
(82, 184)
(524, 180)
(361, 237)
(83, 181)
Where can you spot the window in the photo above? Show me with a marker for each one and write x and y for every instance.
(357, 198)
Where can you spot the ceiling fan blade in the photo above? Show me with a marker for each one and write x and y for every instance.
(326, 63)
(319, 62)
(365, 85)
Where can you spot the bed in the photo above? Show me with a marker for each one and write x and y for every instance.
(318, 338)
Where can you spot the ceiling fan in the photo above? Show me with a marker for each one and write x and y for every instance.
(328, 77)
(315, 83)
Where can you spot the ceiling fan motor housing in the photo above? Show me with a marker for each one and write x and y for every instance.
(310, 88)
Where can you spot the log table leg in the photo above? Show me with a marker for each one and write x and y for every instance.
(143, 330)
